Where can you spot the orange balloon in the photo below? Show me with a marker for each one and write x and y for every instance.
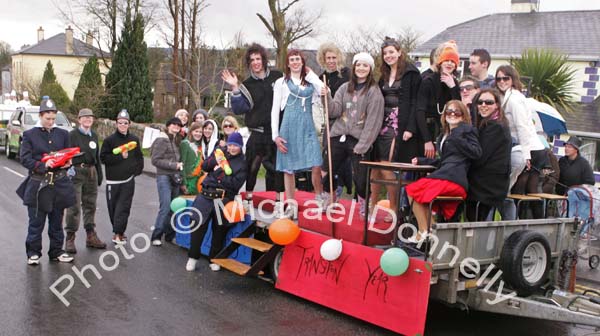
(284, 231)
(384, 204)
(234, 212)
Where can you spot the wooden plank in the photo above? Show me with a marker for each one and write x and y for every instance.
(253, 244)
(549, 196)
(234, 266)
(524, 197)
(449, 198)
(398, 166)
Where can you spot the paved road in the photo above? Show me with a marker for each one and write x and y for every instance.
(152, 294)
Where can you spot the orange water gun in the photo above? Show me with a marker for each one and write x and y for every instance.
(131, 145)
(222, 161)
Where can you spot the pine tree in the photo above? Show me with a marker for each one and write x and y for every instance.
(89, 90)
(51, 88)
(127, 83)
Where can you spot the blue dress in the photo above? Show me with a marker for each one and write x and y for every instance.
(298, 129)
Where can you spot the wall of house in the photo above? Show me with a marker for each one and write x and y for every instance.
(30, 69)
(587, 76)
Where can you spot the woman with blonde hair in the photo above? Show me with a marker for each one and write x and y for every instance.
(458, 146)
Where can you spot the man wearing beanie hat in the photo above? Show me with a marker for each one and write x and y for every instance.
(87, 179)
(574, 168)
(435, 91)
(121, 170)
(216, 186)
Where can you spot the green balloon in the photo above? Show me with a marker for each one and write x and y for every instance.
(394, 261)
(178, 204)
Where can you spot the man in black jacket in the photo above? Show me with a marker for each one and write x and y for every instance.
(216, 185)
(254, 98)
(574, 169)
(121, 169)
(87, 179)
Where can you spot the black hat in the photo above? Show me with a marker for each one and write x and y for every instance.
(47, 105)
(174, 121)
(575, 142)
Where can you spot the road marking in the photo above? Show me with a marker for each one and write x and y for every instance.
(14, 172)
(581, 289)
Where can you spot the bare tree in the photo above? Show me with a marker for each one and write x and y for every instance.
(286, 29)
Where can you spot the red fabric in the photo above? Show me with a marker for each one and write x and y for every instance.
(351, 226)
(426, 190)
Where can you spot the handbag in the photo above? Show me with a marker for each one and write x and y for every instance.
(176, 179)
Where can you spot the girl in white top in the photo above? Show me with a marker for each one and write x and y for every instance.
(523, 132)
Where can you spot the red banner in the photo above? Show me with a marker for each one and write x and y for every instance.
(355, 284)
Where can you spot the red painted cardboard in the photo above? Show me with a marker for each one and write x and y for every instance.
(355, 284)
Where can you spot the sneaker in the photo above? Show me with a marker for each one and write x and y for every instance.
(157, 242)
(33, 260)
(247, 205)
(413, 240)
(119, 239)
(191, 264)
(278, 210)
(290, 212)
(214, 267)
(63, 258)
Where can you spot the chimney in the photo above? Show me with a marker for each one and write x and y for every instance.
(524, 6)
(40, 32)
(69, 40)
(89, 38)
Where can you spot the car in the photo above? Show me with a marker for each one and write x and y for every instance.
(5, 112)
(22, 119)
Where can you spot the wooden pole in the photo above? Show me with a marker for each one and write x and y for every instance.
(330, 170)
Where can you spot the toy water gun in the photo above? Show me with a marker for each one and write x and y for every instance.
(131, 145)
(61, 157)
(222, 161)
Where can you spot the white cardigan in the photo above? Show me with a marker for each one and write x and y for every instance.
(520, 121)
(281, 93)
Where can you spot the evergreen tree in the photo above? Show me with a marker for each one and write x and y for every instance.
(51, 88)
(127, 83)
(89, 90)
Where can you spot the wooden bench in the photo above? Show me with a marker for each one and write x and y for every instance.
(523, 198)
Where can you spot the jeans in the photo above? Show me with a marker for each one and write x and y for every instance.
(37, 220)
(166, 193)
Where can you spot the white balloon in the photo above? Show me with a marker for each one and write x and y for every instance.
(331, 249)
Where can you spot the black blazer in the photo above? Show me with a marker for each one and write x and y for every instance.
(457, 152)
(489, 176)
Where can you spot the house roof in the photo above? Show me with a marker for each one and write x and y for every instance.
(585, 118)
(56, 46)
(505, 35)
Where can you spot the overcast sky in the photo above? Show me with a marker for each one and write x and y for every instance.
(19, 20)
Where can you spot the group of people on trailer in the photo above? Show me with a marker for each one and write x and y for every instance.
(478, 131)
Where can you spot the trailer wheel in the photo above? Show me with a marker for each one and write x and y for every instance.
(525, 261)
(275, 265)
(594, 261)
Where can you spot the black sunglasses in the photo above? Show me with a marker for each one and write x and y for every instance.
(487, 102)
(466, 87)
(503, 78)
(453, 112)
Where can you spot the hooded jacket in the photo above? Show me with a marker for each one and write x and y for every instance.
(165, 154)
(457, 152)
(208, 148)
(116, 167)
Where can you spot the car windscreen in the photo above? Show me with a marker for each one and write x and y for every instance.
(31, 118)
(5, 115)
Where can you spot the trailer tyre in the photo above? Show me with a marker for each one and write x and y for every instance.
(275, 265)
(525, 261)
